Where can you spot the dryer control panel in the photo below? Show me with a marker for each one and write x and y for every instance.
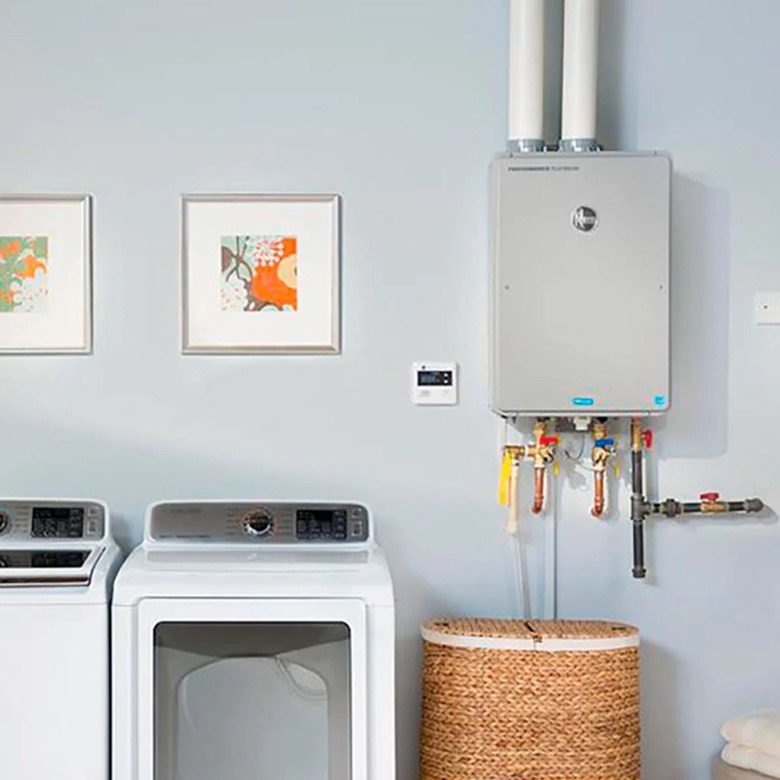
(268, 523)
(66, 521)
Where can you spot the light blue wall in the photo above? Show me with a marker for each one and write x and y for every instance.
(399, 106)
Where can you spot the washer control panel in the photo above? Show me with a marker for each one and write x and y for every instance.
(66, 521)
(267, 523)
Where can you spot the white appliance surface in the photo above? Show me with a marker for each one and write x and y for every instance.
(55, 583)
(234, 620)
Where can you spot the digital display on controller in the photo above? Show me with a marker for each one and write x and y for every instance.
(434, 378)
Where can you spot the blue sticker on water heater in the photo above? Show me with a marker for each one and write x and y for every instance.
(660, 400)
(583, 401)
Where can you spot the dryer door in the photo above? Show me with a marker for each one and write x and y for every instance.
(246, 689)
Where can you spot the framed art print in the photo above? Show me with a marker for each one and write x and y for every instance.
(260, 274)
(45, 274)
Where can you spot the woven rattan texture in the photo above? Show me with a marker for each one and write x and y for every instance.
(528, 629)
(529, 715)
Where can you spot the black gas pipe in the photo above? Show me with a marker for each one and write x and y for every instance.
(639, 440)
(709, 503)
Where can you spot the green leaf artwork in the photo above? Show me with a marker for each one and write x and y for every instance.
(24, 273)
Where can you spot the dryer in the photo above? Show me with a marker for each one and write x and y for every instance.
(57, 562)
(254, 641)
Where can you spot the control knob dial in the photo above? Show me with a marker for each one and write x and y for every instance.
(258, 522)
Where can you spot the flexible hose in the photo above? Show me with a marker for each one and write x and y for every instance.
(518, 544)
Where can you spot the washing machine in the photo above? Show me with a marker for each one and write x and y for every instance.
(57, 562)
(254, 641)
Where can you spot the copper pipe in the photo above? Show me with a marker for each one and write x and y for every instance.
(599, 456)
(598, 494)
(538, 490)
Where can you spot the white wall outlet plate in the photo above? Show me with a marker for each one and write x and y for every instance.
(435, 384)
(767, 308)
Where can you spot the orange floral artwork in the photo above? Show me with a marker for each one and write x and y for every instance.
(259, 273)
(24, 271)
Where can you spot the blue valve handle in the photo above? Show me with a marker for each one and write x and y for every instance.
(605, 442)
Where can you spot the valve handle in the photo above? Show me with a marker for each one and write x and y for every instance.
(547, 441)
(709, 497)
(647, 438)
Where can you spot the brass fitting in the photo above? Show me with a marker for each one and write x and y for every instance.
(600, 455)
(515, 451)
(636, 434)
(542, 453)
(711, 504)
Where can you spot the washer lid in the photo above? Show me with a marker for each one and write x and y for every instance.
(219, 573)
(52, 567)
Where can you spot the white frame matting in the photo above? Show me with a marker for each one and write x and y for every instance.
(63, 324)
(312, 326)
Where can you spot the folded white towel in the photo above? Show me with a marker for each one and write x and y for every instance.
(759, 730)
(750, 758)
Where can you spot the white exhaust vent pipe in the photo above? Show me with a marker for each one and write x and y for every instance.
(526, 75)
(580, 75)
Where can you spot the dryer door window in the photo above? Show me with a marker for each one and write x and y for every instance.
(257, 699)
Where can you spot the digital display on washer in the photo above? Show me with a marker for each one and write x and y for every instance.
(58, 522)
(321, 524)
(42, 559)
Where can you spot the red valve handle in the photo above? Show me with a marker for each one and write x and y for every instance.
(709, 497)
(647, 437)
(546, 441)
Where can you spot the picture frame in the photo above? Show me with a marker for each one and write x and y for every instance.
(261, 274)
(45, 274)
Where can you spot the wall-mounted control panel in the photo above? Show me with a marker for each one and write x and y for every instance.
(434, 384)
(267, 523)
(51, 521)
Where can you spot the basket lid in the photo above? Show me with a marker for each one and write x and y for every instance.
(544, 635)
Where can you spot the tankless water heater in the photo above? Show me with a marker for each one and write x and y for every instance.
(580, 284)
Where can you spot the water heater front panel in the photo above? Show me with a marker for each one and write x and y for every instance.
(580, 284)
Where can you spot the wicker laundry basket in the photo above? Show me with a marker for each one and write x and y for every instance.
(530, 700)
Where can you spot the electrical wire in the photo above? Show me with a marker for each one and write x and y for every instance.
(579, 455)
